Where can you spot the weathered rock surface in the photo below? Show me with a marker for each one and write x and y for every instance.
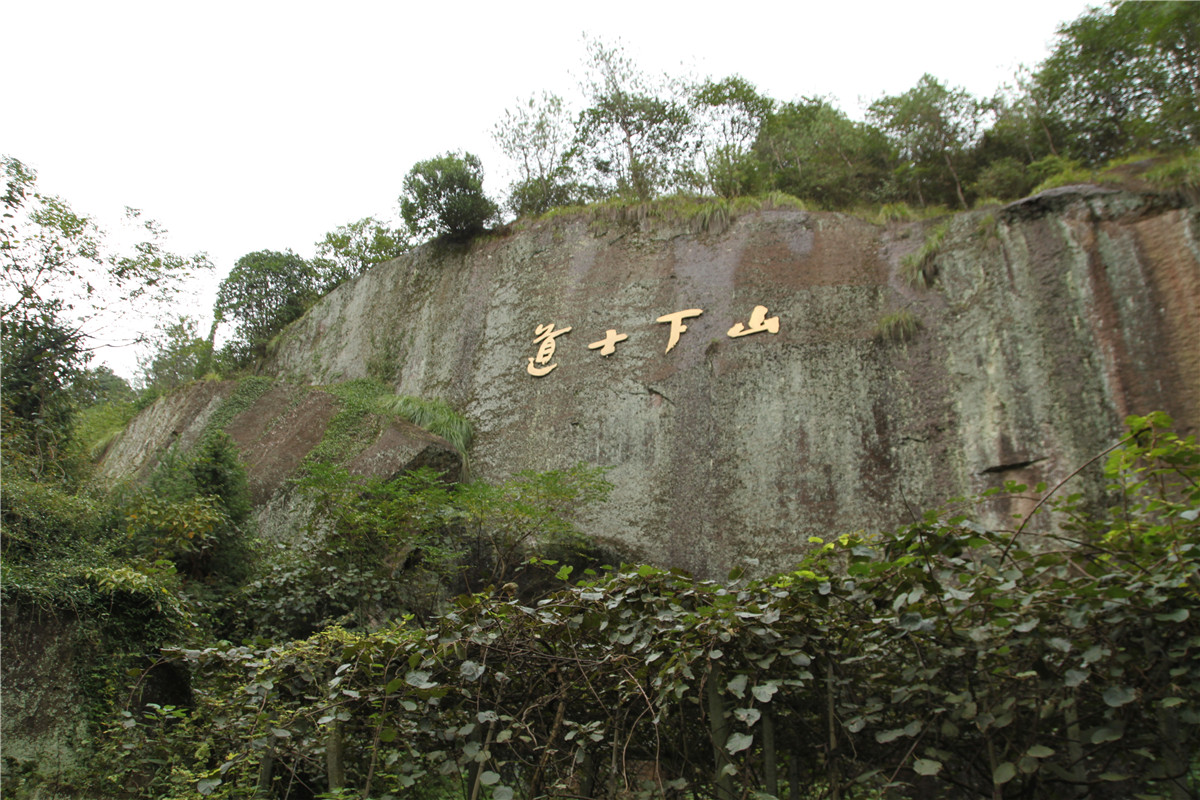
(1050, 320)
(275, 429)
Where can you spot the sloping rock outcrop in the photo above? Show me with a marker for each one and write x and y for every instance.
(276, 427)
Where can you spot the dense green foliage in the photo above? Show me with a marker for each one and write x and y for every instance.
(264, 292)
(351, 249)
(942, 660)
(1122, 79)
(1125, 78)
(176, 561)
(58, 282)
(443, 197)
(810, 149)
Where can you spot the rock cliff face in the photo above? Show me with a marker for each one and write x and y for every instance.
(276, 426)
(1047, 323)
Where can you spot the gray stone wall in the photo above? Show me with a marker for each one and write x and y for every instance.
(1050, 321)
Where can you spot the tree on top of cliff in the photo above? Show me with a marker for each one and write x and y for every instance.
(1124, 78)
(809, 149)
(443, 197)
(637, 135)
(350, 250)
(934, 128)
(263, 293)
(729, 113)
(539, 136)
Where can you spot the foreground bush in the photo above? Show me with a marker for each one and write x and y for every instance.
(943, 660)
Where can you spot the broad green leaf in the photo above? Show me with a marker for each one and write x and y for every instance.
(1117, 696)
(1102, 735)
(418, 678)
(1004, 773)
(737, 686)
(763, 692)
(502, 793)
(927, 766)
(1039, 751)
(489, 778)
(1178, 615)
(207, 786)
(737, 742)
(748, 716)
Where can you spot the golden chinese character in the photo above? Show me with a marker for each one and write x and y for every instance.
(677, 326)
(758, 324)
(608, 344)
(546, 335)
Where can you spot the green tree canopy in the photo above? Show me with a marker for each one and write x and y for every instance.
(350, 250)
(811, 150)
(265, 291)
(444, 197)
(634, 137)
(1125, 77)
(933, 128)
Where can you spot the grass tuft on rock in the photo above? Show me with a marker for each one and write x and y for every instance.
(898, 326)
(435, 416)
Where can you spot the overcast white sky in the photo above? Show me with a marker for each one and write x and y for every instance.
(249, 125)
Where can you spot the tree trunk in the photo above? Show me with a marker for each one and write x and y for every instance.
(719, 732)
(335, 765)
(957, 183)
(835, 779)
(770, 765)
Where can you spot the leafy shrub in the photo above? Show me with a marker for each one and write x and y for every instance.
(945, 659)
(444, 197)
(1005, 178)
(195, 513)
(42, 520)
